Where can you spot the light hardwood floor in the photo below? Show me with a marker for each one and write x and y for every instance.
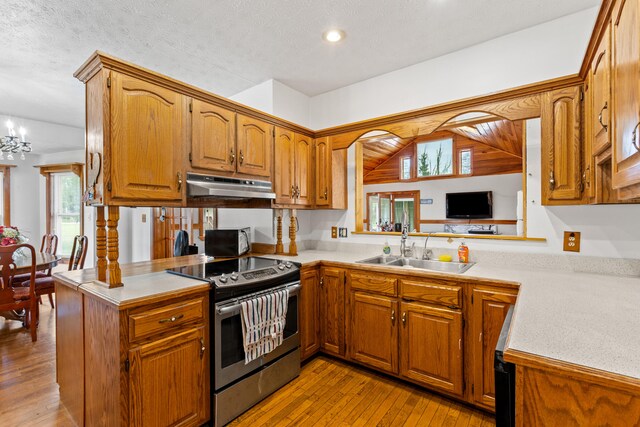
(327, 392)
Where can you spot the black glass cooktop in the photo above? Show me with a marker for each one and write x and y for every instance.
(210, 270)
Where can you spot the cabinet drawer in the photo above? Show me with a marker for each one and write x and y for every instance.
(165, 318)
(376, 283)
(434, 292)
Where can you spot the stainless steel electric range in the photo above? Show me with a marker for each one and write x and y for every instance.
(238, 386)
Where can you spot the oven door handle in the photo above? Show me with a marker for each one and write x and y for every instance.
(236, 307)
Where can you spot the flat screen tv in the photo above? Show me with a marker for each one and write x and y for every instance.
(476, 205)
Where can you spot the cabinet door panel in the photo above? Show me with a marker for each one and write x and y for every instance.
(255, 142)
(309, 313)
(304, 171)
(431, 346)
(373, 335)
(488, 313)
(284, 171)
(213, 137)
(322, 172)
(562, 178)
(626, 94)
(332, 291)
(167, 381)
(147, 140)
(600, 90)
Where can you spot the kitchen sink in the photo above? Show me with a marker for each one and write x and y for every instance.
(423, 264)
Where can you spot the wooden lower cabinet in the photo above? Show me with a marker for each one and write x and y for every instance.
(309, 309)
(431, 346)
(373, 331)
(332, 310)
(488, 310)
(167, 381)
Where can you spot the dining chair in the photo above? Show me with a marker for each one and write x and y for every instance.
(21, 297)
(49, 245)
(45, 285)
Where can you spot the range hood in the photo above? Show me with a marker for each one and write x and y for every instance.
(209, 187)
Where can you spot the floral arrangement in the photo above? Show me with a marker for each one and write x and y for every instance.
(10, 236)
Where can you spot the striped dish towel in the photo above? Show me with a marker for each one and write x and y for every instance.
(263, 320)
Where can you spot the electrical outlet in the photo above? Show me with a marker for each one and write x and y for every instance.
(334, 232)
(144, 218)
(571, 241)
(343, 232)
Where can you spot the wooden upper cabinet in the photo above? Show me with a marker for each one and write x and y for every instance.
(373, 331)
(213, 137)
(254, 143)
(431, 346)
(323, 172)
(148, 138)
(488, 311)
(626, 96)
(284, 166)
(332, 309)
(168, 382)
(600, 87)
(304, 170)
(309, 313)
(562, 175)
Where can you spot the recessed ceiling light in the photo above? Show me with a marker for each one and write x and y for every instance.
(333, 36)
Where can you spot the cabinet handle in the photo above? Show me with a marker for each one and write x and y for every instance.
(297, 191)
(202, 347)
(552, 181)
(393, 317)
(480, 337)
(404, 318)
(326, 193)
(232, 157)
(606, 106)
(634, 137)
(179, 181)
(171, 319)
(241, 157)
(293, 191)
(322, 281)
(460, 344)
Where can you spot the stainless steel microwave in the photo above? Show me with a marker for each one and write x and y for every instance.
(228, 242)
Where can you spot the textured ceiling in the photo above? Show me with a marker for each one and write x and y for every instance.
(226, 46)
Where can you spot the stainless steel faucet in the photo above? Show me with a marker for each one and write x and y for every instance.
(427, 253)
(404, 251)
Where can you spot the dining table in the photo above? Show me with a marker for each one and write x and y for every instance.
(44, 261)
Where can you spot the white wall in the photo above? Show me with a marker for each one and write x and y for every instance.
(278, 99)
(25, 200)
(504, 188)
(545, 51)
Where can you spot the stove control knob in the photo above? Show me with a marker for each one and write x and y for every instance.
(223, 279)
(281, 267)
(234, 276)
(288, 264)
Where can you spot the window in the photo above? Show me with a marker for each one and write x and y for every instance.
(65, 212)
(5, 196)
(64, 203)
(435, 158)
(405, 168)
(384, 210)
(464, 160)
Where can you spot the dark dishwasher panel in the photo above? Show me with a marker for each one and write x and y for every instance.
(505, 379)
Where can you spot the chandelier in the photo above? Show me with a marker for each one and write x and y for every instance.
(13, 144)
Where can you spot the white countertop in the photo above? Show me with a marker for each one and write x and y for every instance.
(584, 319)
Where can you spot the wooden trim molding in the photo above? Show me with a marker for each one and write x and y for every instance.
(46, 171)
(606, 9)
(100, 60)
(6, 193)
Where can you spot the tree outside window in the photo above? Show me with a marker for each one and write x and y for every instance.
(435, 158)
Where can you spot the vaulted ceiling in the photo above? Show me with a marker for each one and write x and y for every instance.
(504, 136)
(226, 46)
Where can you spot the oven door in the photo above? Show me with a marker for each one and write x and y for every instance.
(229, 364)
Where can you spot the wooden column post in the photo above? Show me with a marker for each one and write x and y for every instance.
(114, 278)
(279, 245)
(293, 247)
(101, 244)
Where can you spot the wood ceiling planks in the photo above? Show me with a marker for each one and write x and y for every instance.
(503, 135)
